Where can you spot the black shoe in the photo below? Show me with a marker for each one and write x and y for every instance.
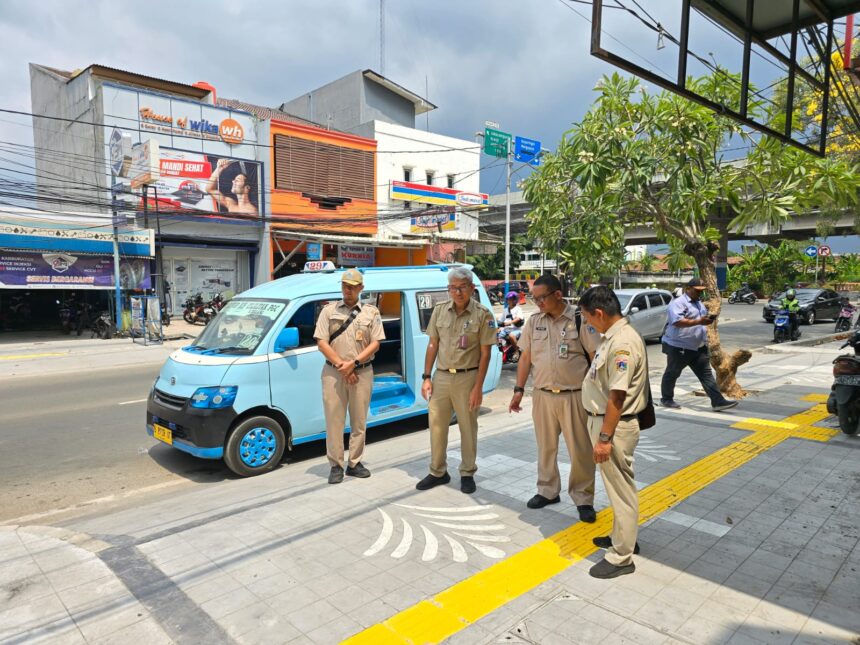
(725, 405)
(539, 501)
(605, 542)
(669, 403)
(467, 484)
(336, 475)
(604, 569)
(358, 471)
(587, 514)
(431, 480)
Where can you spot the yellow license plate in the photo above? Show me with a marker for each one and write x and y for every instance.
(162, 434)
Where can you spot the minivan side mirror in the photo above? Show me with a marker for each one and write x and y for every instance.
(287, 339)
(634, 310)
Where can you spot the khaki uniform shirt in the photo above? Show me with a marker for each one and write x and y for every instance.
(558, 350)
(619, 364)
(366, 328)
(476, 323)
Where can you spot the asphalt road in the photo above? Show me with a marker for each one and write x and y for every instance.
(67, 440)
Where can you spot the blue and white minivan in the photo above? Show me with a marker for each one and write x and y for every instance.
(249, 387)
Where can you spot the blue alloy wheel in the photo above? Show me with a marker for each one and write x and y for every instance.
(257, 447)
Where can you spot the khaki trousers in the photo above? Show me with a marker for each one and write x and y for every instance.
(338, 397)
(617, 474)
(562, 413)
(451, 394)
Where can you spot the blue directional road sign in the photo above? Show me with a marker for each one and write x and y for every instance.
(527, 150)
(811, 250)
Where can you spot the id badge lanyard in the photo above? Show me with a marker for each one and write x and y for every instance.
(562, 345)
(463, 342)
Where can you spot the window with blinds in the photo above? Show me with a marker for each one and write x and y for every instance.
(322, 169)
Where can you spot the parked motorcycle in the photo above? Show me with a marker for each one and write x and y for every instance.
(846, 315)
(102, 326)
(741, 295)
(67, 315)
(196, 310)
(84, 317)
(844, 399)
(782, 327)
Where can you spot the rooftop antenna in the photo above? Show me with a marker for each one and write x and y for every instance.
(382, 37)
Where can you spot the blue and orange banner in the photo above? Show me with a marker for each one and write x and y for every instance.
(411, 192)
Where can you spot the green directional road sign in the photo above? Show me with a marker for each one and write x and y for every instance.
(496, 142)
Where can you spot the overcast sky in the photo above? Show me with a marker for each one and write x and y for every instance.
(522, 63)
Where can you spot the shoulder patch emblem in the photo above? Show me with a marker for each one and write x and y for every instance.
(620, 363)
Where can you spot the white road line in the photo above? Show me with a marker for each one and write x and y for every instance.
(130, 402)
(705, 526)
(384, 535)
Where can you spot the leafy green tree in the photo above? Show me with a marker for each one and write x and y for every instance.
(848, 268)
(647, 262)
(768, 268)
(638, 158)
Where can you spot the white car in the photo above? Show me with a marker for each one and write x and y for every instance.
(646, 309)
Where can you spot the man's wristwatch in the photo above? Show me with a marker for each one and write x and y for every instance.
(425, 377)
(519, 390)
(357, 363)
(605, 438)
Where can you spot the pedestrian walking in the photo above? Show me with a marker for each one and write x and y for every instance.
(614, 392)
(348, 334)
(461, 331)
(685, 343)
(556, 350)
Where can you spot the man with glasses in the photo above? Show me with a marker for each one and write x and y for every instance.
(462, 331)
(557, 349)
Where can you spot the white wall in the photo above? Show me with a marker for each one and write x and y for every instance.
(399, 147)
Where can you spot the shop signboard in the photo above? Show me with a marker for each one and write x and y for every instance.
(120, 153)
(433, 221)
(412, 192)
(314, 251)
(144, 164)
(68, 271)
(356, 256)
(195, 181)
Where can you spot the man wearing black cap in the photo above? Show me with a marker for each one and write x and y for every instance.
(685, 343)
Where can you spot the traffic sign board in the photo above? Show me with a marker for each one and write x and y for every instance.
(811, 250)
(824, 251)
(496, 142)
(527, 150)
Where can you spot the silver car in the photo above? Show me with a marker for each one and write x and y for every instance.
(646, 309)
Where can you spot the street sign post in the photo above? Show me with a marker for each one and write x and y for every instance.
(824, 251)
(497, 143)
(527, 151)
(811, 251)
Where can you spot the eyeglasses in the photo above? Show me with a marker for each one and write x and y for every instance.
(539, 300)
(454, 289)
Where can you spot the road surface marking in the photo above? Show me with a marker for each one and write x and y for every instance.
(23, 356)
(448, 612)
(130, 402)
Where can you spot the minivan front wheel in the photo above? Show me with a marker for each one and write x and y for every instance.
(255, 446)
(810, 317)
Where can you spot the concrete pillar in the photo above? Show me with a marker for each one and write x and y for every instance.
(722, 265)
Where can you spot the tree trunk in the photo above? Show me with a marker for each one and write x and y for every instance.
(725, 365)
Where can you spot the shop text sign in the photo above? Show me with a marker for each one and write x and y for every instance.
(356, 256)
(65, 270)
(228, 130)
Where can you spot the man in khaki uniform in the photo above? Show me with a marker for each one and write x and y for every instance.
(348, 334)
(556, 348)
(613, 393)
(462, 331)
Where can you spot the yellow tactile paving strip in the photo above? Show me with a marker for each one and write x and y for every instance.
(19, 357)
(433, 620)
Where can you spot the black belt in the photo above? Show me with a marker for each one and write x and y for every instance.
(554, 391)
(623, 417)
(452, 370)
(360, 367)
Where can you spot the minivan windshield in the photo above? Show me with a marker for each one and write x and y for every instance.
(623, 299)
(239, 327)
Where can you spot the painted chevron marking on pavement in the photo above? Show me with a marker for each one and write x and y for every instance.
(448, 612)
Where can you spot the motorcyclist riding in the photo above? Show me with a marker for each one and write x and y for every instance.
(512, 319)
(792, 305)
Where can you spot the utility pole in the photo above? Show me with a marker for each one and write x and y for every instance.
(117, 285)
(382, 37)
(508, 166)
